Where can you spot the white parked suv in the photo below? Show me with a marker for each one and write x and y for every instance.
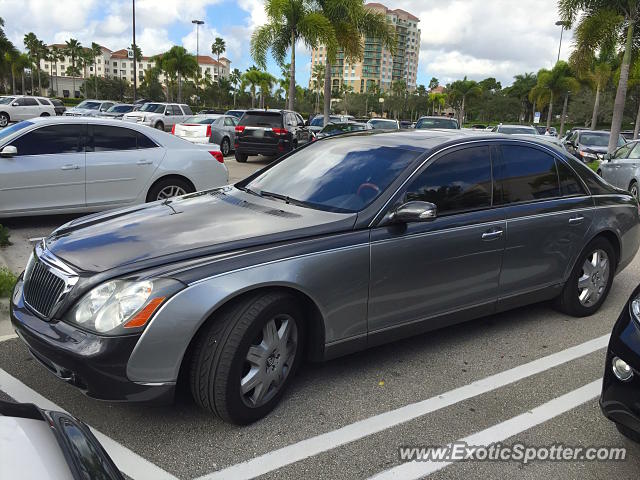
(82, 164)
(14, 108)
(89, 108)
(162, 116)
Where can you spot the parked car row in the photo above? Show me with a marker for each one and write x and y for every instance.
(14, 108)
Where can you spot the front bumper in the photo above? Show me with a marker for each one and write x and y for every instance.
(95, 364)
(620, 401)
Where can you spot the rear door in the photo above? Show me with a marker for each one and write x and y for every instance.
(612, 170)
(548, 214)
(627, 166)
(258, 129)
(48, 172)
(120, 161)
(27, 107)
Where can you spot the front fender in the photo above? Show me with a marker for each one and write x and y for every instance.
(336, 280)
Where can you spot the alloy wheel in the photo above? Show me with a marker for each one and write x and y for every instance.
(225, 147)
(593, 278)
(170, 191)
(634, 190)
(3, 121)
(269, 361)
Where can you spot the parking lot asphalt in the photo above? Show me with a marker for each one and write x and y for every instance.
(346, 419)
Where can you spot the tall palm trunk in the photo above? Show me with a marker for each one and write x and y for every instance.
(253, 96)
(73, 76)
(22, 81)
(292, 78)
(95, 75)
(464, 98)
(39, 81)
(596, 107)
(533, 111)
(327, 91)
(621, 94)
(564, 113)
(550, 112)
(31, 75)
(179, 88)
(13, 82)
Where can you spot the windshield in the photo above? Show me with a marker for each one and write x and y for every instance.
(513, 130)
(437, 123)
(5, 132)
(598, 139)
(153, 108)
(89, 105)
(317, 122)
(383, 124)
(120, 109)
(6, 100)
(201, 120)
(342, 127)
(343, 175)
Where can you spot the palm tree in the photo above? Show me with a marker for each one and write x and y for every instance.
(218, 47)
(596, 75)
(345, 90)
(521, 87)
(438, 99)
(73, 49)
(556, 81)
(461, 90)
(56, 54)
(266, 82)
(289, 22)
(235, 77)
(94, 52)
(12, 59)
(317, 78)
(180, 63)
(252, 79)
(351, 21)
(32, 44)
(22, 61)
(599, 23)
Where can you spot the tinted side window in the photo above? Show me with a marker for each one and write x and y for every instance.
(228, 121)
(145, 142)
(43, 101)
(622, 152)
(27, 102)
(569, 183)
(187, 110)
(635, 152)
(458, 181)
(526, 174)
(107, 138)
(50, 140)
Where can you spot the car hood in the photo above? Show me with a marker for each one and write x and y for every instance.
(187, 227)
(138, 114)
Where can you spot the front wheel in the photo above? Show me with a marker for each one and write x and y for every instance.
(590, 280)
(4, 119)
(44, 114)
(245, 359)
(225, 146)
(159, 126)
(633, 189)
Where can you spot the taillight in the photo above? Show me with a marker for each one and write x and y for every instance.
(217, 155)
(208, 131)
(279, 131)
(239, 128)
(173, 130)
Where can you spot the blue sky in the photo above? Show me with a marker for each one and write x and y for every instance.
(476, 38)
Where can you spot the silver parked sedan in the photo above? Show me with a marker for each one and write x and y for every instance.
(622, 168)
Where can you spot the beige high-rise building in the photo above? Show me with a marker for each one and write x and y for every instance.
(378, 66)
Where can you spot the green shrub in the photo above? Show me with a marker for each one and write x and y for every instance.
(4, 236)
(7, 282)
(593, 165)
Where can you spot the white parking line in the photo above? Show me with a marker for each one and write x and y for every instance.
(369, 426)
(4, 338)
(129, 462)
(502, 431)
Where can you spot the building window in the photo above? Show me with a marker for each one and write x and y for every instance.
(115, 64)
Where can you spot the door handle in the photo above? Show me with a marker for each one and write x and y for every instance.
(144, 162)
(492, 235)
(70, 167)
(576, 220)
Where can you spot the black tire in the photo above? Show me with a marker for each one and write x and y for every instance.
(633, 189)
(4, 119)
(44, 114)
(568, 301)
(219, 357)
(225, 147)
(241, 157)
(627, 432)
(159, 126)
(165, 183)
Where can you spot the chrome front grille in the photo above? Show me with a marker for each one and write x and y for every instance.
(43, 289)
(47, 281)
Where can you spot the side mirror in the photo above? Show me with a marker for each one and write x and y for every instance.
(305, 124)
(415, 212)
(9, 151)
(607, 157)
(15, 104)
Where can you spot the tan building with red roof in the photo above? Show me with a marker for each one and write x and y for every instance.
(379, 67)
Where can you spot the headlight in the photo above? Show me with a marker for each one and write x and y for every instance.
(121, 306)
(635, 308)
(588, 154)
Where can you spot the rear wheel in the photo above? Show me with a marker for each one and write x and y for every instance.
(627, 432)
(159, 126)
(247, 356)
(633, 189)
(4, 119)
(225, 146)
(167, 188)
(44, 114)
(590, 281)
(241, 157)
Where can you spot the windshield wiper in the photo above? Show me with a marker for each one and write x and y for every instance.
(286, 199)
(248, 190)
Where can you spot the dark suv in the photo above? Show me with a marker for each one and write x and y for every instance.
(269, 132)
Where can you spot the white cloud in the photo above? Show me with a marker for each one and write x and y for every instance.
(207, 36)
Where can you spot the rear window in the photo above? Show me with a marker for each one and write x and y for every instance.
(187, 110)
(517, 130)
(120, 109)
(426, 123)
(201, 120)
(261, 119)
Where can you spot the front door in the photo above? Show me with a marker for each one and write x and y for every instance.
(611, 169)
(627, 166)
(27, 107)
(48, 172)
(548, 214)
(118, 165)
(422, 271)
